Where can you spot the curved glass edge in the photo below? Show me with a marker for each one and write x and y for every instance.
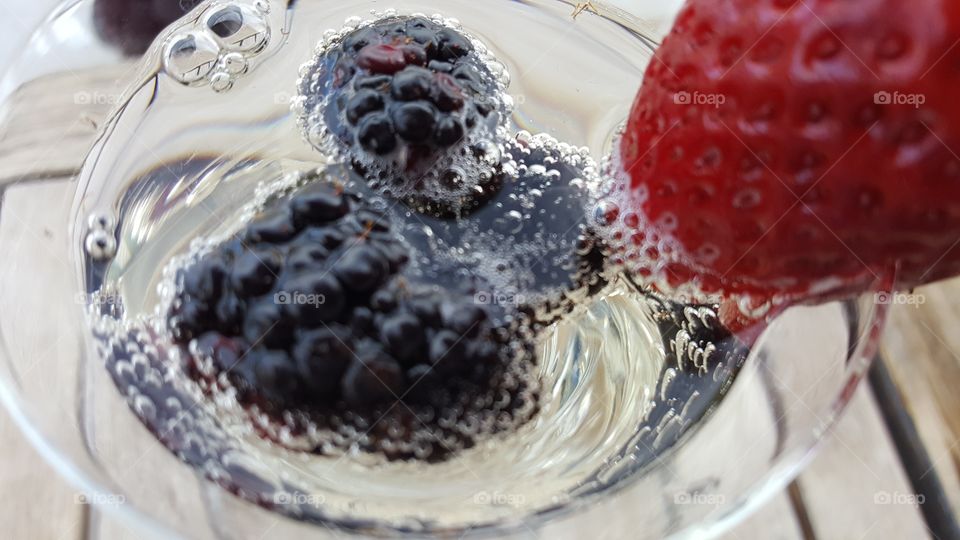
(75, 475)
(790, 467)
(778, 478)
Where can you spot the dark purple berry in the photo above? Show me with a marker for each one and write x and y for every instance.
(415, 122)
(427, 310)
(373, 377)
(440, 67)
(453, 45)
(371, 221)
(374, 82)
(382, 58)
(447, 348)
(319, 206)
(362, 319)
(225, 353)
(276, 372)
(229, 313)
(323, 356)
(363, 103)
(325, 237)
(360, 39)
(344, 326)
(411, 84)
(272, 228)
(254, 273)
(449, 132)
(395, 254)
(383, 301)
(266, 324)
(448, 95)
(463, 319)
(207, 283)
(423, 383)
(403, 336)
(307, 257)
(313, 298)
(376, 134)
(188, 320)
(433, 91)
(362, 269)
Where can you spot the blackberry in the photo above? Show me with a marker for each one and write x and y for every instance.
(132, 25)
(533, 243)
(327, 323)
(407, 99)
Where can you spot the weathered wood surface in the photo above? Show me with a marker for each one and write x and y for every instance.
(51, 122)
(842, 495)
(922, 353)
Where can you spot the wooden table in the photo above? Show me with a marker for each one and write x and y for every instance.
(874, 455)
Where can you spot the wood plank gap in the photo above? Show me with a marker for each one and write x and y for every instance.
(88, 523)
(800, 511)
(51, 175)
(923, 476)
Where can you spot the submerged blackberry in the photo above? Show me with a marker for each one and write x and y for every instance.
(313, 315)
(532, 243)
(408, 100)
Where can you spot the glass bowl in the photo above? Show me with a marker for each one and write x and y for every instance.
(692, 468)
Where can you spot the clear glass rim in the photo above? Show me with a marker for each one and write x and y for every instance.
(774, 481)
(142, 521)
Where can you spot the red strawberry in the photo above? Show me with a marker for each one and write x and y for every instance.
(799, 147)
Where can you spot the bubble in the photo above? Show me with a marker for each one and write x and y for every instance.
(190, 57)
(752, 308)
(537, 170)
(221, 82)
(488, 151)
(511, 223)
(102, 221)
(605, 213)
(100, 245)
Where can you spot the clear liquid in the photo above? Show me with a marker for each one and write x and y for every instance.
(181, 162)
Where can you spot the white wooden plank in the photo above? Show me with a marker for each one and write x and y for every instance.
(52, 122)
(856, 488)
(39, 504)
(922, 352)
(776, 520)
